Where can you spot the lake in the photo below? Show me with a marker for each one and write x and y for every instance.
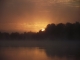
(39, 50)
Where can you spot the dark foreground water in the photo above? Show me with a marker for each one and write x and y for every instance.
(39, 50)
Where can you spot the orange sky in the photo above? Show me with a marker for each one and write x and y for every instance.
(33, 15)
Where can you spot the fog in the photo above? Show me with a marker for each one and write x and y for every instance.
(39, 50)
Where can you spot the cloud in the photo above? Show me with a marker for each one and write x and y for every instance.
(31, 11)
(14, 9)
(65, 13)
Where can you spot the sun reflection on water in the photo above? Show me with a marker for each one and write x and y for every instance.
(24, 54)
(21, 53)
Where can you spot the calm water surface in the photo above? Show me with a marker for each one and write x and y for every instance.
(45, 51)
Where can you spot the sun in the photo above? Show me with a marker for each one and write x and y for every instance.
(43, 29)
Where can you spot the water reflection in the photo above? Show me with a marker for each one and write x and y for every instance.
(23, 54)
(40, 50)
(26, 53)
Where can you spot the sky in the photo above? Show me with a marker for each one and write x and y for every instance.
(33, 15)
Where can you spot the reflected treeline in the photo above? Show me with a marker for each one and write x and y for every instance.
(68, 31)
(68, 49)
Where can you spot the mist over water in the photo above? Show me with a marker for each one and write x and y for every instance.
(39, 50)
(39, 29)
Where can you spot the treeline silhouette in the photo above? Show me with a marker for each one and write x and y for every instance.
(68, 31)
